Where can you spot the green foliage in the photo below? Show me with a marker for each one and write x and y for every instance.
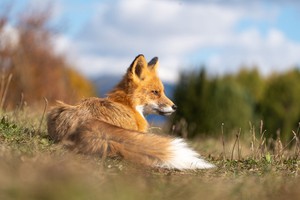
(230, 105)
(205, 103)
(252, 82)
(280, 106)
(23, 133)
(9, 131)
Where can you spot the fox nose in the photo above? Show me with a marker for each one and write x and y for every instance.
(174, 107)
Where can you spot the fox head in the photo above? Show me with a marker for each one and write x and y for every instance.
(144, 88)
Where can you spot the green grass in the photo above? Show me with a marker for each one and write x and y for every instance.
(32, 167)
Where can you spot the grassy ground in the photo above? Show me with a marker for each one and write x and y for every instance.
(31, 167)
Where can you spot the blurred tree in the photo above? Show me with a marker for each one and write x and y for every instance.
(254, 85)
(230, 104)
(207, 103)
(190, 97)
(280, 106)
(252, 82)
(37, 70)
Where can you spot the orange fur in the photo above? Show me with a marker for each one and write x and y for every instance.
(116, 126)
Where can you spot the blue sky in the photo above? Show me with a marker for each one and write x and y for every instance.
(102, 36)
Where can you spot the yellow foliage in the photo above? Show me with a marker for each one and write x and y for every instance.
(37, 71)
(82, 87)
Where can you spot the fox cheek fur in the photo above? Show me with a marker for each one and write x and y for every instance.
(151, 98)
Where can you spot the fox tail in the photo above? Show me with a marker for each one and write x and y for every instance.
(98, 137)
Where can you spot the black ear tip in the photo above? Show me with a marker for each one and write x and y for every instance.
(153, 61)
(140, 55)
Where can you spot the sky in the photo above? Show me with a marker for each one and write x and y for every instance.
(102, 37)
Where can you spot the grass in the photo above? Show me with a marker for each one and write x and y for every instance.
(32, 167)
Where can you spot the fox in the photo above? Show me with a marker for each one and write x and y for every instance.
(115, 126)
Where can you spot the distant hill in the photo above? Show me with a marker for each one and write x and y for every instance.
(106, 83)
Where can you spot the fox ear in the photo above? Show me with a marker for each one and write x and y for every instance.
(138, 66)
(153, 64)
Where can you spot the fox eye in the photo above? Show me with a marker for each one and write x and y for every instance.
(155, 92)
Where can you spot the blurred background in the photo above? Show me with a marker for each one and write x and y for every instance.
(226, 64)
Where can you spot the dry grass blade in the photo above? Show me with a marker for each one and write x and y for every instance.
(43, 116)
(238, 144)
(278, 147)
(253, 140)
(288, 144)
(296, 150)
(3, 95)
(260, 149)
(2, 85)
(237, 138)
(223, 142)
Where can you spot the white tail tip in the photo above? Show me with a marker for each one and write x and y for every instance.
(182, 157)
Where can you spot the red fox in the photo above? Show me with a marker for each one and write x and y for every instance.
(116, 126)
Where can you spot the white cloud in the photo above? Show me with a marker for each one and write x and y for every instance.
(173, 31)
(155, 28)
(273, 52)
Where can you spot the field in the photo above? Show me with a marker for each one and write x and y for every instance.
(32, 167)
